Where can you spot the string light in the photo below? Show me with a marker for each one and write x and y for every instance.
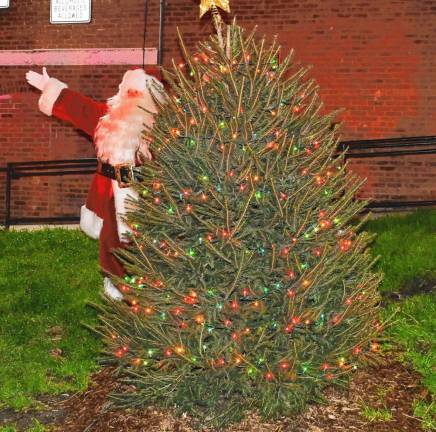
(269, 376)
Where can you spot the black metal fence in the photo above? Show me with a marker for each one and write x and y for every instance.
(392, 147)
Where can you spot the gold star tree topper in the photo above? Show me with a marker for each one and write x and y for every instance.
(207, 5)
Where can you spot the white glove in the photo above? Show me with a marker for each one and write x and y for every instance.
(38, 80)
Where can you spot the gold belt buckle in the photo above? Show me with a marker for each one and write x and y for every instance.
(120, 181)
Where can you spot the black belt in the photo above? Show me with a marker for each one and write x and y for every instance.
(122, 173)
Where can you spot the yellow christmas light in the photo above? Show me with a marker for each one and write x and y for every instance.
(207, 5)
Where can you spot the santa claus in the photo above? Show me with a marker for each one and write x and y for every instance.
(115, 127)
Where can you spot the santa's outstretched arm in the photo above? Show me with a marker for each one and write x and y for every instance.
(58, 100)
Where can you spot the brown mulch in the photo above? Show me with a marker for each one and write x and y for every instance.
(390, 386)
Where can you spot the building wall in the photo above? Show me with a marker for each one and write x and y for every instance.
(376, 59)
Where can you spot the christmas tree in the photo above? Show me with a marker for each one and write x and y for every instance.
(249, 285)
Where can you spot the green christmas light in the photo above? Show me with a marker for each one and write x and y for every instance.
(258, 195)
(222, 124)
(191, 252)
(145, 192)
(251, 370)
(170, 211)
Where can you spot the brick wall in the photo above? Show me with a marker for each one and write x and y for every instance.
(375, 59)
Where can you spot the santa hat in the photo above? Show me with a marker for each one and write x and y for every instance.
(137, 79)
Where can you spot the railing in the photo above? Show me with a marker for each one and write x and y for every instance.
(17, 170)
(393, 147)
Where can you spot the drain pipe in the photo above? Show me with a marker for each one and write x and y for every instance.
(161, 26)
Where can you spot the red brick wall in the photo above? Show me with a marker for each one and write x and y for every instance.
(375, 59)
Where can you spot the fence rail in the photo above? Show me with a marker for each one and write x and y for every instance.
(392, 147)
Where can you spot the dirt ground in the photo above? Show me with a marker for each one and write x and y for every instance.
(390, 387)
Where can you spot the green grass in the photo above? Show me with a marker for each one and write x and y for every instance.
(46, 277)
(407, 246)
(427, 413)
(36, 427)
(375, 414)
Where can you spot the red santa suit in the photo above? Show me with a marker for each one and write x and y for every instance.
(115, 127)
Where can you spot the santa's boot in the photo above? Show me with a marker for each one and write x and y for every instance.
(111, 291)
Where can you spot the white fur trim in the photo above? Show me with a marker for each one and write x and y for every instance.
(110, 290)
(90, 223)
(121, 207)
(49, 95)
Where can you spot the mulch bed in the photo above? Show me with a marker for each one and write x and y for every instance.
(390, 386)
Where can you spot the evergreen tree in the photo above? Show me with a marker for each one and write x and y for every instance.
(248, 286)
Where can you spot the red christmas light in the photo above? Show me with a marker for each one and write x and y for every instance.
(290, 274)
(325, 223)
(317, 252)
(357, 350)
(269, 376)
(291, 293)
(344, 245)
(190, 299)
(234, 305)
(168, 352)
(295, 320)
(178, 311)
(284, 365)
(221, 361)
(284, 252)
(289, 328)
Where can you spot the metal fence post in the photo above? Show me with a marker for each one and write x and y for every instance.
(8, 195)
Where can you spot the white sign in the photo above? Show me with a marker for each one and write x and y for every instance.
(70, 11)
(4, 3)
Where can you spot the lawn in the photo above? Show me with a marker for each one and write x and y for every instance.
(46, 278)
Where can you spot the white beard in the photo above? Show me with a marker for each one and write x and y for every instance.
(118, 139)
(118, 134)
